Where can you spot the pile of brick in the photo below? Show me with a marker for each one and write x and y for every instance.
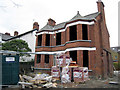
(67, 70)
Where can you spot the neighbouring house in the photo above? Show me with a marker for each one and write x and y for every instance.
(30, 38)
(115, 49)
(119, 59)
(114, 52)
(4, 37)
(84, 38)
(116, 57)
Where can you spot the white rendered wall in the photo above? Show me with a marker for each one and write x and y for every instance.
(30, 38)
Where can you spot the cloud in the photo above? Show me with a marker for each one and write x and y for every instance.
(21, 18)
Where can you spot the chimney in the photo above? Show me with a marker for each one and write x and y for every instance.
(51, 22)
(7, 33)
(36, 25)
(100, 6)
(15, 33)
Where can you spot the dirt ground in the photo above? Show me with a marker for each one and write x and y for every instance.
(93, 83)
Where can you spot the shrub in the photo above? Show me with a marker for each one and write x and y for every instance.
(117, 66)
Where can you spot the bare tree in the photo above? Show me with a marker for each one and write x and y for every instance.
(16, 4)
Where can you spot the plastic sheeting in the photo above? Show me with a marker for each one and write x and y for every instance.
(65, 77)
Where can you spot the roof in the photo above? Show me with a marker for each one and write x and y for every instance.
(5, 37)
(92, 16)
(47, 27)
(116, 49)
(8, 52)
(76, 17)
(58, 26)
(61, 25)
(18, 36)
(87, 17)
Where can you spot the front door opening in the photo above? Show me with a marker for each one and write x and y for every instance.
(73, 55)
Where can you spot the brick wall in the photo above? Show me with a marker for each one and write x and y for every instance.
(100, 61)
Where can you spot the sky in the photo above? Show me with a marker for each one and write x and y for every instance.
(19, 15)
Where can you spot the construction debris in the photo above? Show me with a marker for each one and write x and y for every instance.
(40, 76)
(65, 71)
(116, 73)
(23, 84)
(39, 81)
(28, 78)
(48, 85)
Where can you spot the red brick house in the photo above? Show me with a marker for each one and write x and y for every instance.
(84, 38)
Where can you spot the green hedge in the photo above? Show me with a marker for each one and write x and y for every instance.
(117, 66)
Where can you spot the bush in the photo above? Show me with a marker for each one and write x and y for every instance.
(117, 66)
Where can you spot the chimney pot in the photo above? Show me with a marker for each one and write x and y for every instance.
(36, 25)
(15, 33)
(7, 33)
(51, 22)
(99, 1)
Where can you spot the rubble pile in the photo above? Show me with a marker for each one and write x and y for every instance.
(39, 81)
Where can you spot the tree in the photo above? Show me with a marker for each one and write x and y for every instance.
(16, 45)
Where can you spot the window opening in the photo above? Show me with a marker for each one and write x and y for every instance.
(58, 38)
(47, 39)
(39, 40)
(73, 33)
(84, 32)
(46, 58)
(85, 58)
(38, 58)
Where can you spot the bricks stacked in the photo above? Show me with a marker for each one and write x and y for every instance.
(80, 74)
(63, 60)
(68, 70)
(55, 72)
(85, 73)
